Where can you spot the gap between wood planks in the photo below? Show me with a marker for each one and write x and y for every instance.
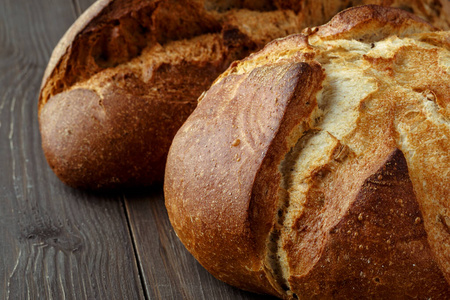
(133, 241)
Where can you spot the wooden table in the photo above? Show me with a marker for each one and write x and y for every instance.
(60, 243)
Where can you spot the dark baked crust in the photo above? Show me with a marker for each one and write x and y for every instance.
(382, 243)
(159, 53)
(364, 22)
(275, 190)
(131, 60)
(66, 41)
(243, 159)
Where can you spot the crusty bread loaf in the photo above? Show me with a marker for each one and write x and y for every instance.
(128, 73)
(319, 167)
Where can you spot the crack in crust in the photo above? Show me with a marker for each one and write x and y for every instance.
(361, 180)
(306, 193)
(155, 53)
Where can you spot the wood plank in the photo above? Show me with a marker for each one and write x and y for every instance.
(169, 271)
(55, 242)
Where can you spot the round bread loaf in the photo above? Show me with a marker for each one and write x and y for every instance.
(128, 73)
(319, 167)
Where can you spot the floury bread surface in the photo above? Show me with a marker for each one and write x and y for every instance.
(128, 73)
(319, 167)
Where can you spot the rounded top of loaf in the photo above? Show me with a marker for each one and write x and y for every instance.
(128, 73)
(305, 169)
(112, 32)
(61, 48)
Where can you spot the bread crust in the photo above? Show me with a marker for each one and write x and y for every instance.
(382, 241)
(298, 192)
(68, 38)
(371, 18)
(247, 203)
(159, 53)
(137, 63)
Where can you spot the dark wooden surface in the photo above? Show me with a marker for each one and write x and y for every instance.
(61, 243)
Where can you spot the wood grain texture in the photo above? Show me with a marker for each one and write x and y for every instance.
(55, 242)
(169, 270)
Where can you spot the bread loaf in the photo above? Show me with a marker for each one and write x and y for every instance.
(128, 73)
(319, 167)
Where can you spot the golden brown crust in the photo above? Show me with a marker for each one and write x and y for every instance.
(382, 242)
(149, 38)
(66, 41)
(242, 212)
(361, 23)
(82, 40)
(332, 184)
(312, 13)
(106, 143)
(97, 152)
(129, 52)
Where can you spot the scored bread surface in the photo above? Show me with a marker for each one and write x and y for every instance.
(320, 167)
(127, 74)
